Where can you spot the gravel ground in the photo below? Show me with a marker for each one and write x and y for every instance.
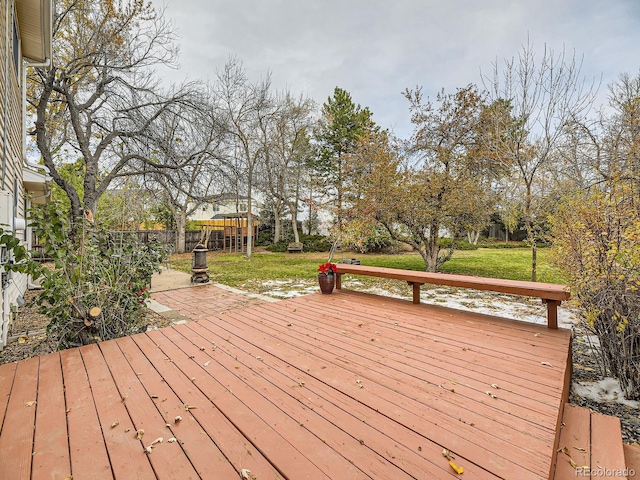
(29, 332)
(586, 368)
(29, 328)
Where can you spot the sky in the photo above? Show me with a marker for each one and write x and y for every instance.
(375, 49)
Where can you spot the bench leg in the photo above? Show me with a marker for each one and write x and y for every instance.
(416, 292)
(338, 281)
(552, 313)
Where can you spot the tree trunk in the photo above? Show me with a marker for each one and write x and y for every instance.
(249, 219)
(294, 221)
(278, 224)
(506, 235)
(432, 248)
(530, 233)
(181, 225)
(534, 261)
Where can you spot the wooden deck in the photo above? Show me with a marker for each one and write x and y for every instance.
(340, 386)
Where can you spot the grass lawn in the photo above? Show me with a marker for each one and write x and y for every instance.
(236, 270)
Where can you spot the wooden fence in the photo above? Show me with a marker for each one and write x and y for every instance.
(165, 237)
(168, 237)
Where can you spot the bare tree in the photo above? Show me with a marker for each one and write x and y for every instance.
(287, 151)
(189, 156)
(244, 107)
(99, 94)
(542, 98)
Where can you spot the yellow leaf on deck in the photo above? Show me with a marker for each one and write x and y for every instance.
(30, 404)
(459, 470)
(573, 464)
(23, 339)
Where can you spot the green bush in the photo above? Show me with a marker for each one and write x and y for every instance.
(264, 239)
(99, 282)
(312, 243)
(460, 244)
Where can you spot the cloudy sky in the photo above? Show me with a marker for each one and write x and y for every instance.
(375, 49)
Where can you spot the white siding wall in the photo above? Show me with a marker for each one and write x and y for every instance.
(11, 141)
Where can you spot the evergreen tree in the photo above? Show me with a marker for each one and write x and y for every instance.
(340, 127)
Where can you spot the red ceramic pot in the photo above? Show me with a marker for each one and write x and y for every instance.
(327, 282)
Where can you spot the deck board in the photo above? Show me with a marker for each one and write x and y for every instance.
(125, 451)
(341, 386)
(17, 433)
(51, 447)
(141, 408)
(206, 457)
(88, 452)
(7, 375)
(388, 394)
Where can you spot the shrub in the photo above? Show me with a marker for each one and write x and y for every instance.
(99, 282)
(365, 237)
(597, 243)
(312, 243)
(460, 244)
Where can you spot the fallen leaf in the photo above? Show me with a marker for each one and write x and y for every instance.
(246, 474)
(177, 419)
(573, 464)
(206, 364)
(157, 440)
(115, 424)
(171, 440)
(493, 385)
(139, 434)
(564, 450)
(23, 339)
(546, 364)
(30, 404)
(148, 450)
(582, 450)
(202, 348)
(536, 335)
(446, 453)
(459, 470)
(189, 407)
(490, 394)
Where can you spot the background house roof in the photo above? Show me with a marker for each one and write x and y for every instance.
(34, 19)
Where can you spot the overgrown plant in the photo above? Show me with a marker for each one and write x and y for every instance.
(99, 281)
(597, 243)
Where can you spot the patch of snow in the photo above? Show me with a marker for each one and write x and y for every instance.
(156, 306)
(277, 282)
(606, 390)
(287, 294)
(590, 341)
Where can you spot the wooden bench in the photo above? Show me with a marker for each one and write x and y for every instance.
(550, 293)
(295, 247)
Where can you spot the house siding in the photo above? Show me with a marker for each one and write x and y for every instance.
(12, 133)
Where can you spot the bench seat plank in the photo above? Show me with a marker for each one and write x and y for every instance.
(550, 293)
